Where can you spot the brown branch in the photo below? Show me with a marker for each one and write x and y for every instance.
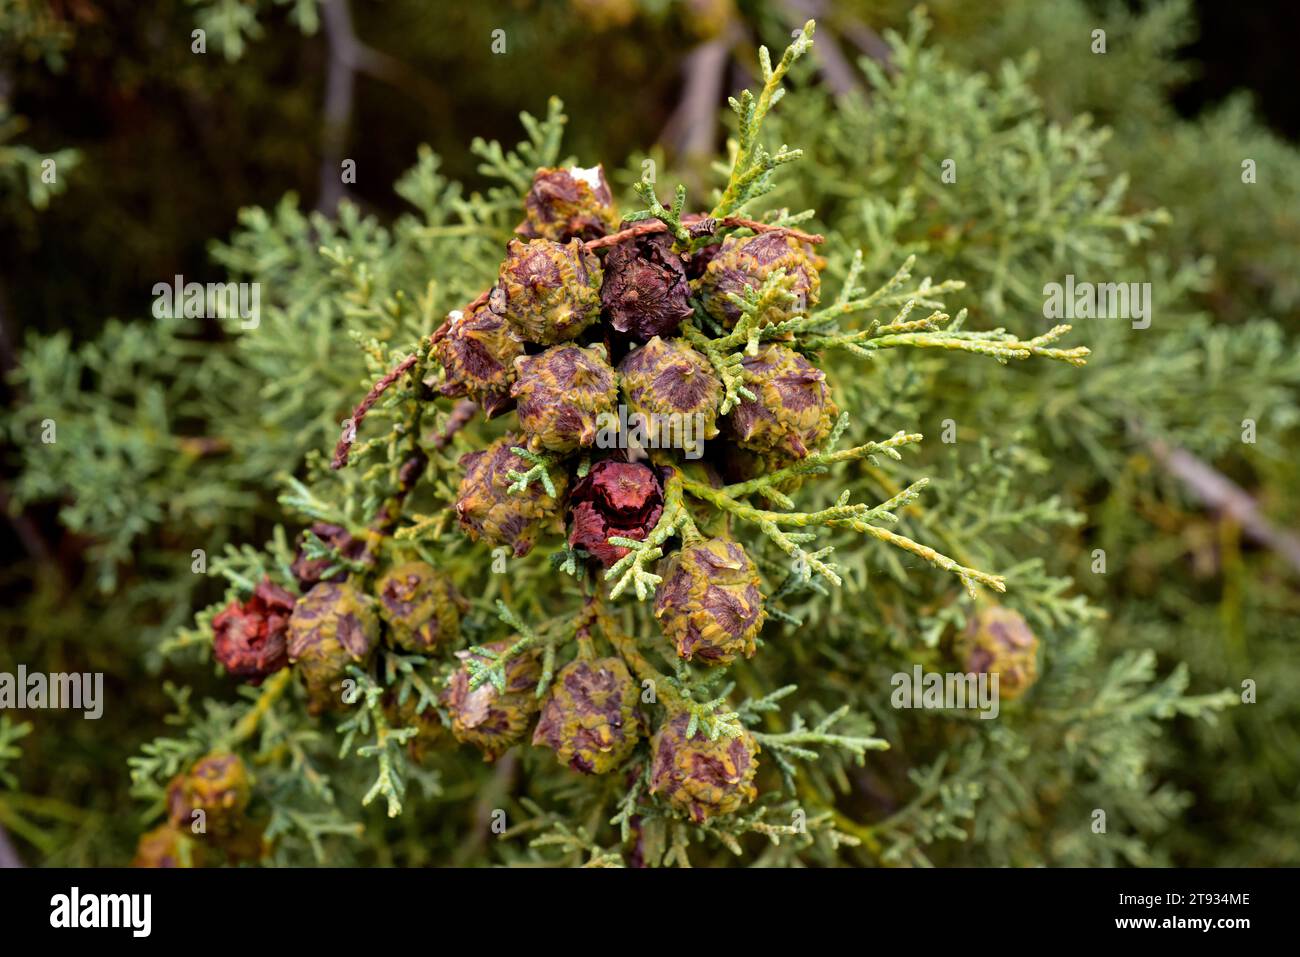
(691, 130)
(1219, 492)
(344, 446)
(799, 234)
(643, 228)
(340, 90)
(650, 226)
(838, 72)
(461, 415)
(8, 856)
(359, 414)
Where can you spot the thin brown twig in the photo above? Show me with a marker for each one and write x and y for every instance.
(1219, 492)
(649, 226)
(799, 234)
(643, 228)
(359, 414)
(461, 415)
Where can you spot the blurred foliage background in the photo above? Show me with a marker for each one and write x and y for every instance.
(158, 149)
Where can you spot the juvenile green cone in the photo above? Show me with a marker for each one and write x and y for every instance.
(792, 410)
(999, 641)
(420, 606)
(489, 719)
(548, 293)
(488, 511)
(334, 625)
(748, 262)
(699, 777)
(589, 719)
(563, 396)
(709, 604)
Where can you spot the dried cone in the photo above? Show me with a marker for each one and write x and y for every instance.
(699, 777)
(488, 511)
(478, 359)
(489, 719)
(998, 641)
(548, 293)
(167, 846)
(333, 626)
(622, 499)
(748, 262)
(309, 571)
(564, 204)
(420, 606)
(563, 394)
(218, 786)
(590, 719)
(674, 391)
(709, 604)
(249, 639)
(792, 410)
(645, 290)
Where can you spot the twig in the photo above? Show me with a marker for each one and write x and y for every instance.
(870, 42)
(835, 66)
(799, 234)
(643, 228)
(649, 226)
(691, 129)
(461, 415)
(8, 856)
(1218, 491)
(344, 446)
(340, 87)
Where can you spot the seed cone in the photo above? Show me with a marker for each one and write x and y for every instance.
(792, 411)
(168, 846)
(709, 604)
(622, 499)
(645, 290)
(562, 395)
(420, 606)
(699, 777)
(487, 511)
(564, 204)
(218, 786)
(589, 719)
(748, 262)
(999, 641)
(548, 293)
(675, 392)
(489, 719)
(333, 626)
(477, 355)
(249, 639)
(309, 571)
